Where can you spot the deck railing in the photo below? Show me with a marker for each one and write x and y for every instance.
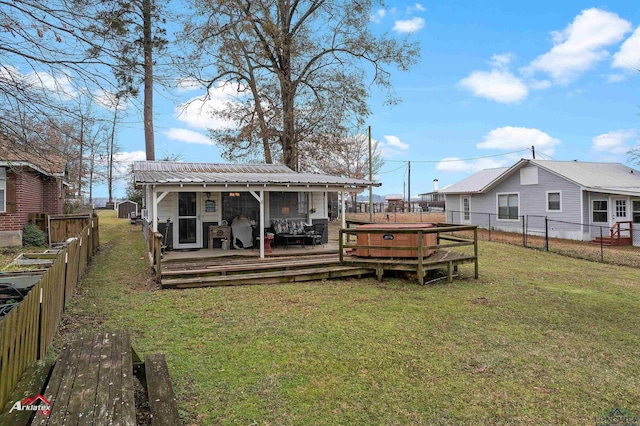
(446, 237)
(28, 330)
(616, 232)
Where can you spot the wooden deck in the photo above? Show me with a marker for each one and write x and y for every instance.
(217, 267)
(92, 382)
(225, 271)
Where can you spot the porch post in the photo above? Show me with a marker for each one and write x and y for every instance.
(155, 209)
(261, 224)
(260, 199)
(343, 210)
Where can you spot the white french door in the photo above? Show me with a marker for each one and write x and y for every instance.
(465, 216)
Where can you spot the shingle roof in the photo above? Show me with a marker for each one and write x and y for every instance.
(12, 155)
(476, 182)
(609, 177)
(603, 177)
(165, 172)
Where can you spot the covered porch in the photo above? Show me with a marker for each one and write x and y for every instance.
(237, 207)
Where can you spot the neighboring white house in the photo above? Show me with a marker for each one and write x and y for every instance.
(195, 196)
(578, 199)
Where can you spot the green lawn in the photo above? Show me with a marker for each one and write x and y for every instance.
(538, 339)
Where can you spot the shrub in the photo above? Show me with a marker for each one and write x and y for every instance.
(33, 236)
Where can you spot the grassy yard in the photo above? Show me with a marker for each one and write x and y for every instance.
(538, 339)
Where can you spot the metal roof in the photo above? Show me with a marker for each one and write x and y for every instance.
(476, 182)
(165, 172)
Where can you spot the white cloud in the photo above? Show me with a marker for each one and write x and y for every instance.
(628, 57)
(538, 84)
(188, 136)
(123, 161)
(59, 84)
(392, 147)
(108, 100)
(199, 111)
(378, 16)
(409, 26)
(616, 78)
(496, 85)
(580, 45)
(188, 85)
(456, 165)
(517, 138)
(395, 142)
(415, 8)
(615, 142)
(501, 61)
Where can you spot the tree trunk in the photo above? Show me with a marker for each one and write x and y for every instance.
(147, 41)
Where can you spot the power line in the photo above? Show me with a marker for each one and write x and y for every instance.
(459, 159)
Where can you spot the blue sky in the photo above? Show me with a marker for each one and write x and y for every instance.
(494, 78)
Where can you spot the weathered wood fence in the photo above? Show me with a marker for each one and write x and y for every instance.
(154, 248)
(28, 330)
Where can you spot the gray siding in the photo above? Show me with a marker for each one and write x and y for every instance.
(532, 203)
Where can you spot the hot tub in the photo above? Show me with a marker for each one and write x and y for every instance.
(391, 239)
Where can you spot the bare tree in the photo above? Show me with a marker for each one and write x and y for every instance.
(301, 68)
(135, 30)
(349, 157)
(46, 59)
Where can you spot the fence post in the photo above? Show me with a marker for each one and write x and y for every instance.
(546, 233)
(39, 348)
(524, 232)
(489, 214)
(601, 247)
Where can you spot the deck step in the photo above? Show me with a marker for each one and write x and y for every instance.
(269, 277)
(608, 241)
(246, 267)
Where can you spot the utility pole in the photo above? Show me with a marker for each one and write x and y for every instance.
(409, 185)
(370, 180)
(533, 151)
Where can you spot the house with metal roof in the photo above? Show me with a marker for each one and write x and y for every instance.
(577, 200)
(196, 196)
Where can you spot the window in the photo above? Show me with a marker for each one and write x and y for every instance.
(288, 205)
(3, 189)
(621, 208)
(636, 211)
(553, 201)
(508, 206)
(600, 211)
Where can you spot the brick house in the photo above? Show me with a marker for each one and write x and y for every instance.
(29, 184)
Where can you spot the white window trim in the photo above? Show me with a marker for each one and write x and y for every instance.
(547, 202)
(591, 210)
(3, 187)
(498, 206)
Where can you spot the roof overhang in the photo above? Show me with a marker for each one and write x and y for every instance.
(31, 166)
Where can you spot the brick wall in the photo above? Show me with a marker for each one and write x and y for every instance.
(52, 196)
(33, 195)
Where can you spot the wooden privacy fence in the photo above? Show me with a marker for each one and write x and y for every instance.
(154, 248)
(28, 330)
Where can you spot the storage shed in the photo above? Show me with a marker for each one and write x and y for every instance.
(125, 208)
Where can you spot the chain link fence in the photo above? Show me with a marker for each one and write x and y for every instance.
(557, 236)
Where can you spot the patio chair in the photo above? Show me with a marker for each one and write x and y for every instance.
(315, 234)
